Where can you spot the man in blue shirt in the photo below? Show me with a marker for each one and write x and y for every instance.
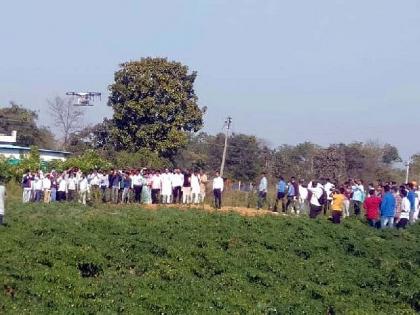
(388, 206)
(292, 194)
(281, 193)
(262, 191)
(412, 197)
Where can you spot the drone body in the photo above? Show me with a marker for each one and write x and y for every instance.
(84, 98)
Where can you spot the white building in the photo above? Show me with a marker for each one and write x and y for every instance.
(11, 151)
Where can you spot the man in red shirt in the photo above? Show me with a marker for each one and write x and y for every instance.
(371, 205)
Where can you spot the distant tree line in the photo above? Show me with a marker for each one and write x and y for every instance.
(156, 122)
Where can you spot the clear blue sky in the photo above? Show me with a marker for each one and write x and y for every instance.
(286, 71)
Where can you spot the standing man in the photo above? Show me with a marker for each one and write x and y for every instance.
(104, 184)
(357, 198)
(94, 180)
(281, 193)
(127, 184)
(27, 186)
(2, 199)
(195, 187)
(156, 187)
(37, 186)
(137, 181)
(166, 186)
(217, 190)
(329, 188)
(371, 206)
(262, 191)
(316, 192)
(46, 187)
(203, 185)
(388, 205)
(292, 194)
(411, 196)
(337, 205)
(71, 187)
(303, 197)
(114, 184)
(405, 211)
(83, 188)
(177, 181)
(186, 187)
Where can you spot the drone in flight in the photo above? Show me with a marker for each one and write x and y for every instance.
(85, 98)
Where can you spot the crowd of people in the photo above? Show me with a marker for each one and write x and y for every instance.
(117, 186)
(385, 204)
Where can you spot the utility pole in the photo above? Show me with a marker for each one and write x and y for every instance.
(228, 122)
(407, 171)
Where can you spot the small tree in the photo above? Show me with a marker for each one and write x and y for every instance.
(67, 117)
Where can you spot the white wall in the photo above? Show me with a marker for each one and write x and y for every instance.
(45, 156)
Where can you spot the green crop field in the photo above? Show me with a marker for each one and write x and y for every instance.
(69, 259)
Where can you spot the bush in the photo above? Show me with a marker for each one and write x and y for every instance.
(139, 159)
(90, 160)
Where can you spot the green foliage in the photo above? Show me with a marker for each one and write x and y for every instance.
(92, 138)
(86, 162)
(24, 121)
(139, 159)
(330, 163)
(68, 260)
(30, 161)
(245, 155)
(154, 106)
(6, 172)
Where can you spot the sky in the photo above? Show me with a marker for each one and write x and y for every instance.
(286, 71)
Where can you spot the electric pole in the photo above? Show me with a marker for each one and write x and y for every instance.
(228, 122)
(407, 170)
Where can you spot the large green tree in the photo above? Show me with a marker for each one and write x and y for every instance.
(24, 121)
(155, 106)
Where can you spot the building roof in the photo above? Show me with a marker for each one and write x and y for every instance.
(16, 147)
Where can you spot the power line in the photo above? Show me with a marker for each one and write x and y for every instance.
(228, 122)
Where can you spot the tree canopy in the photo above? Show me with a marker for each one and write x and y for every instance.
(24, 121)
(155, 106)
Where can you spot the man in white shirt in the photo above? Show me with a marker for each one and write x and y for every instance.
(357, 198)
(2, 199)
(177, 181)
(104, 186)
(328, 187)
(303, 197)
(156, 187)
(83, 189)
(217, 190)
(71, 187)
(137, 182)
(405, 211)
(262, 191)
(195, 187)
(203, 183)
(166, 191)
(316, 192)
(37, 186)
(62, 188)
(93, 180)
(46, 187)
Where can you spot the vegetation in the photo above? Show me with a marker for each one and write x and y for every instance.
(70, 259)
(154, 105)
(67, 117)
(25, 122)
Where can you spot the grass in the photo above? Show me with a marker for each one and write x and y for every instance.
(69, 259)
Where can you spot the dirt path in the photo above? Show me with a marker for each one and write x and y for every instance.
(240, 210)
